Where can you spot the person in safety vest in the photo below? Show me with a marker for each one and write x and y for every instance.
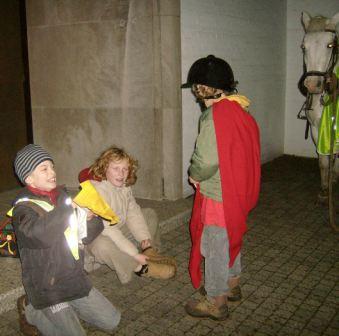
(46, 223)
(225, 171)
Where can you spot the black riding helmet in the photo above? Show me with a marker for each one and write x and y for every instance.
(213, 72)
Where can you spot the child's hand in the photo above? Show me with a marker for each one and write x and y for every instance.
(145, 243)
(90, 215)
(192, 181)
(141, 259)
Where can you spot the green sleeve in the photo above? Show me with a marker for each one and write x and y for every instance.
(204, 162)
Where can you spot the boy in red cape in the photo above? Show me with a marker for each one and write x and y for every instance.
(225, 170)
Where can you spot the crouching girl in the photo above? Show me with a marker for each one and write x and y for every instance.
(129, 247)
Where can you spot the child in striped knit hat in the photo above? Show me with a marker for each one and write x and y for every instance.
(58, 292)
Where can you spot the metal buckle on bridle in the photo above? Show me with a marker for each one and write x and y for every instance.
(304, 108)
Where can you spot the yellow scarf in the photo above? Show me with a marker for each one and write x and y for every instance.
(243, 101)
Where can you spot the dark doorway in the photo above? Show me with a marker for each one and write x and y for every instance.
(15, 107)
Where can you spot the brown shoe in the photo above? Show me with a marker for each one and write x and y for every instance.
(202, 291)
(157, 271)
(207, 308)
(154, 256)
(234, 292)
(26, 328)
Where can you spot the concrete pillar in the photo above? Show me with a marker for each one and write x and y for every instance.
(171, 97)
(108, 72)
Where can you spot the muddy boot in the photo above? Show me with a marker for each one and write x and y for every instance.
(214, 308)
(234, 292)
(157, 271)
(26, 328)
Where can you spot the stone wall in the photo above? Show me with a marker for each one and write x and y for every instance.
(107, 72)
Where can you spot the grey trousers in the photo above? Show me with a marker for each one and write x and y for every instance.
(215, 249)
(106, 252)
(63, 319)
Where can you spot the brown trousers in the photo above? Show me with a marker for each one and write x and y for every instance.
(104, 250)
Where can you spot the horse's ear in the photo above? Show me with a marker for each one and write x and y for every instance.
(335, 20)
(305, 20)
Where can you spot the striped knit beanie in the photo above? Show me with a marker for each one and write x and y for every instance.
(27, 159)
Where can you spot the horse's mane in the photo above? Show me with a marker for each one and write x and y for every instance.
(319, 23)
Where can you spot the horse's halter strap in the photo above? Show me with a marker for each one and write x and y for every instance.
(326, 74)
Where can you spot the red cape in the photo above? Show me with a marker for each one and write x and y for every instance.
(238, 145)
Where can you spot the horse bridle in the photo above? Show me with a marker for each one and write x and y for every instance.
(331, 63)
(327, 75)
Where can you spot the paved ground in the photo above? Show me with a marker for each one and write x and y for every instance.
(290, 271)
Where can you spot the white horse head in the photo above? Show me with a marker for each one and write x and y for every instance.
(320, 48)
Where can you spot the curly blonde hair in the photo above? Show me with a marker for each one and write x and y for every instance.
(99, 168)
(202, 91)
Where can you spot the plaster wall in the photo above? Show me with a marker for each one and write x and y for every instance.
(250, 36)
(294, 128)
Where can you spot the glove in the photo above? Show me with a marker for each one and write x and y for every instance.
(154, 257)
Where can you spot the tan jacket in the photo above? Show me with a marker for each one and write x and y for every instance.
(123, 203)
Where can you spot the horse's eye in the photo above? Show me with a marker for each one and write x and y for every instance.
(302, 47)
(330, 45)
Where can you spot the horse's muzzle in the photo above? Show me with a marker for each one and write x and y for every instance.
(314, 84)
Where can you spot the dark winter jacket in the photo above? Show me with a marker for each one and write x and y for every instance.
(50, 273)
